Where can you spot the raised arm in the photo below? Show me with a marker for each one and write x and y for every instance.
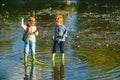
(22, 23)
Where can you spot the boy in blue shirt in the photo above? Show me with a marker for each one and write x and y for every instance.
(59, 35)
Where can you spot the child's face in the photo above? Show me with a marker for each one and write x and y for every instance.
(59, 20)
(31, 22)
(59, 23)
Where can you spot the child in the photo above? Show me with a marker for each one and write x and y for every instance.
(58, 36)
(29, 37)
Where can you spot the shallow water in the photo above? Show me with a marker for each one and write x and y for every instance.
(92, 49)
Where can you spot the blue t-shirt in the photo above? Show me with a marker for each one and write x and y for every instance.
(60, 31)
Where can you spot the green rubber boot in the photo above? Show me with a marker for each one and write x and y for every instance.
(62, 58)
(53, 63)
(53, 56)
(33, 59)
(25, 58)
(53, 59)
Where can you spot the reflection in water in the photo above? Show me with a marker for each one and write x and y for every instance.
(68, 2)
(5, 46)
(30, 73)
(58, 73)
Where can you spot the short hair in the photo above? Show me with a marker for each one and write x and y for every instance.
(59, 19)
(31, 18)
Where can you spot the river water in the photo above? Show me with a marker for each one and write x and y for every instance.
(92, 48)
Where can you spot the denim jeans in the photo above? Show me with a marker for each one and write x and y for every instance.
(29, 46)
(58, 43)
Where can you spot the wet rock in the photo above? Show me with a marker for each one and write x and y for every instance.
(3, 4)
(78, 46)
(107, 45)
(97, 45)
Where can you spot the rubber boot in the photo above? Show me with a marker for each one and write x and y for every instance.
(53, 56)
(62, 58)
(53, 59)
(33, 59)
(25, 58)
(53, 63)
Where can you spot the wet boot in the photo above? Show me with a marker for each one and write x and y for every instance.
(33, 59)
(53, 63)
(25, 59)
(53, 59)
(53, 56)
(62, 58)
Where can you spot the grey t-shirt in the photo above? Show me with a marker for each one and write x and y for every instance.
(60, 31)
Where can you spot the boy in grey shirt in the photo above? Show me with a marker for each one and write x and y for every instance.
(59, 35)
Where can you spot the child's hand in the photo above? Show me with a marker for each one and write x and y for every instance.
(52, 37)
(35, 33)
(62, 37)
(22, 23)
(22, 19)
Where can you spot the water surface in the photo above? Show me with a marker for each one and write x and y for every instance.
(92, 49)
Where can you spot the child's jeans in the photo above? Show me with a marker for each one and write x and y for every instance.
(29, 45)
(61, 44)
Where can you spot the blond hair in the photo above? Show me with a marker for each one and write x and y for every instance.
(31, 18)
(59, 19)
